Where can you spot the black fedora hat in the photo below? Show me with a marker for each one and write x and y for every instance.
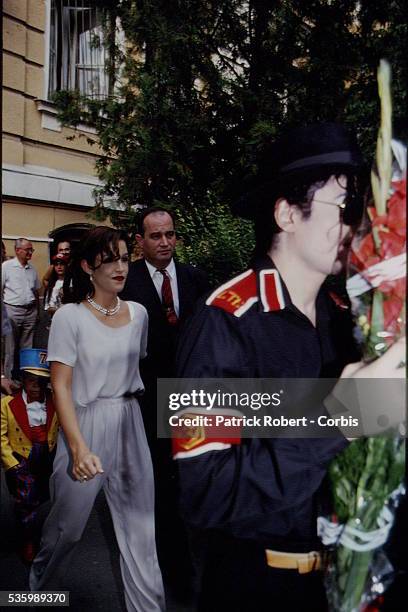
(301, 152)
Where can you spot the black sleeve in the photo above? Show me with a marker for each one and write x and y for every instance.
(225, 489)
(210, 346)
(203, 284)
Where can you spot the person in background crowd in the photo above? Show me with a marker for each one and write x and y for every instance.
(53, 293)
(258, 498)
(28, 435)
(94, 349)
(3, 252)
(63, 248)
(20, 285)
(169, 291)
(52, 299)
(7, 386)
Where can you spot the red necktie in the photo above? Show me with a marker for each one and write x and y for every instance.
(167, 298)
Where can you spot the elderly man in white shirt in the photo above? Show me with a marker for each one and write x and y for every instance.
(20, 285)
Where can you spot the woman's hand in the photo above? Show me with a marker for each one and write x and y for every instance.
(86, 465)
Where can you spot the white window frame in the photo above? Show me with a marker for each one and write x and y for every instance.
(47, 49)
(47, 46)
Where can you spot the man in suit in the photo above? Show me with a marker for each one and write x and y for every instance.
(169, 291)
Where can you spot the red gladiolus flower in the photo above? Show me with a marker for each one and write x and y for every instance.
(392, 310)
(365, 255)
(397, 287)
(391, 244)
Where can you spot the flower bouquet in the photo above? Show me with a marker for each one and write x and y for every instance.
(367, 479)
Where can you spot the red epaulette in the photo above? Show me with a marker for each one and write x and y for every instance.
(239, 294)
(338, 300)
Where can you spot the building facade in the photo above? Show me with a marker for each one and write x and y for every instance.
(48, 170)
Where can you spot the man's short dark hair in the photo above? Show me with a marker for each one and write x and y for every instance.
(152, 210)
(298, 189)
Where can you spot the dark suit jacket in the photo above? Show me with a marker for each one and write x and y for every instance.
(192, 284)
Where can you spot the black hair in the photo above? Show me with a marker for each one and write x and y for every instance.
(99, 241)
(53, 279)
(43, 380)
(152, 210)
(298, 188)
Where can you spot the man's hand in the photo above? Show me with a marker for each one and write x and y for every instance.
(389, 365)
(376, 395)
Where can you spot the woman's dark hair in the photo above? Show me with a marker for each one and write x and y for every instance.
(51, 283)
(298, 189)
(101, 240)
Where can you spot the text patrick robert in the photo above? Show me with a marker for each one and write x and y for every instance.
(220, 420)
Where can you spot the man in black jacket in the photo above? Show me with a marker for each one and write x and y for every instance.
(258, 498)
(169, 291)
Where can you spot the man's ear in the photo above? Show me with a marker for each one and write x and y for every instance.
(139, 239)
(86, 267)
(285, 215)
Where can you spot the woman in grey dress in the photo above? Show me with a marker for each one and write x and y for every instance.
(95, 345)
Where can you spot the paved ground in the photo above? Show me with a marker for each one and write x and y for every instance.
(93, 576)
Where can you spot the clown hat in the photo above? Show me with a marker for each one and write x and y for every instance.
(34, 361)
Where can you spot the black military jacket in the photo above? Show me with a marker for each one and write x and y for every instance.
(262, 489)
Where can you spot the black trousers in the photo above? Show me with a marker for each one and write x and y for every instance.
(237, 579)
(171, 535)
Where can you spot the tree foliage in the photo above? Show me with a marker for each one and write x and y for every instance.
(204, 85)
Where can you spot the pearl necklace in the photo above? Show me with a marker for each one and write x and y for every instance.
(109, 312)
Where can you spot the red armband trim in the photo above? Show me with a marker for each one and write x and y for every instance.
(197, 432)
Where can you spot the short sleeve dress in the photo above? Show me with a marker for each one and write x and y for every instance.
(105, 359)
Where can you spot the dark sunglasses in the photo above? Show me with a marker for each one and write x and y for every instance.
(351, 210)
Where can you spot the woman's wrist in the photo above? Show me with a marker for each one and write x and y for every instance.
(79, 448)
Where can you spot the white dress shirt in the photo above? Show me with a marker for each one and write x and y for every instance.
(55, 298)
(36, 411)
(157, 278)
(19, 283)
